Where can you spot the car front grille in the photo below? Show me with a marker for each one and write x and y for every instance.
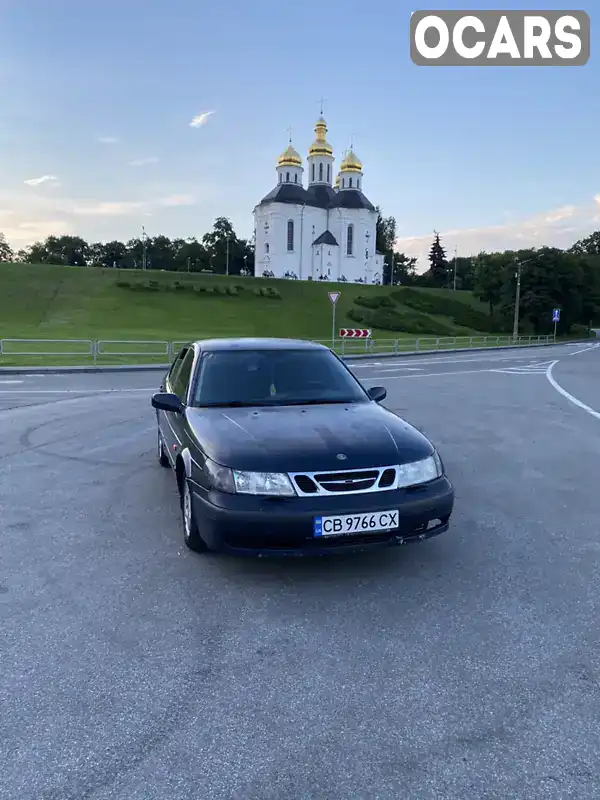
(357, 481)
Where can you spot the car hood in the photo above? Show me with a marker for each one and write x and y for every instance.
(299, 438)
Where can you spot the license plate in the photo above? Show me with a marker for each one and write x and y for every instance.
(346, 524)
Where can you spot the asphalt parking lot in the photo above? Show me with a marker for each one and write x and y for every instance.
(465, 667)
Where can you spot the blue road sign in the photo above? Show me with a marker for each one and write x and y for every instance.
(556, 315)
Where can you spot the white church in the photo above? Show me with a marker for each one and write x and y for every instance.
(324, 231)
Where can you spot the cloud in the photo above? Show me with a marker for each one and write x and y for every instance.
(108, 209)
(107, 139)
(142, 162)
(24, 233)
(559, 227)
(125, 208)
(178, 200)
(42, 179)
(201, 119)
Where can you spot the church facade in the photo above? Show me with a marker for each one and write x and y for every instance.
(322, 231)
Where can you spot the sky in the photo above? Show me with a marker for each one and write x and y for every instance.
(98, 101)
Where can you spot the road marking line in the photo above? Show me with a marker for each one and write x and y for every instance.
(566, 394)
(18, 392)
(395, 369)
(585, 349)
(432, 374)
(12, 382)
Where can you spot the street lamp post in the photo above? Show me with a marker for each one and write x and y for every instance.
(455, 254)
(519, 264)
(227, 258)
(143, 247)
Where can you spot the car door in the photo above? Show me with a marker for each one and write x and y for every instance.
(166, 423)
(178, 384)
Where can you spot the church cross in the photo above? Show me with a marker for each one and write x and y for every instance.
(289, 133)
(321, 101)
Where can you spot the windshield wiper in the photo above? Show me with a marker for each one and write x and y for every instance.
(315, 402)
(238, 404)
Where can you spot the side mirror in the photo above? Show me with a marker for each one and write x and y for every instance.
(377, 393)
(164, 401)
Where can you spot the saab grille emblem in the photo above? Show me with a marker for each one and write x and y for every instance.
(341, 457)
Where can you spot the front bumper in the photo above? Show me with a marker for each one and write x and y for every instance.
(248, 525)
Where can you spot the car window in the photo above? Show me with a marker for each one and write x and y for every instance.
(274, 377)
(176, 366)
(182, 376)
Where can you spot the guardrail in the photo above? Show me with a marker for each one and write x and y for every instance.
(431, 343)
(98, 351)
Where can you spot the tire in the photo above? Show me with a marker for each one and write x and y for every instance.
(191, 534)
(163, 459)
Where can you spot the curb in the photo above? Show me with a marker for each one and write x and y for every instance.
(346, 357)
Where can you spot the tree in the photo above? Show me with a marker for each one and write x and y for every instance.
(385, 233)
(489, 279)
(385, 242)
(404, 270)
(589, 246)
(108, 254)
(190, 255)
(6, 251)
(220, 244)
(465, 273)
(438, 271)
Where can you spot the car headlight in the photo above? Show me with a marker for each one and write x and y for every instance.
(266, 483)
(420, 471)
(233, 481)
(221, 478)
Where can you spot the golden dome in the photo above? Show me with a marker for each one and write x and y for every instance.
(351, 163)
(320, 146)
(289, 158)
(336, 185)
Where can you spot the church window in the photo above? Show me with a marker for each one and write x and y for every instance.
(312, 172)
(287, 177)
(328, 173)
(290, 235)
(266, 247)
(280, 177)
(296, 178)
(321, 171)
(344, 182)
(350, 182)
(358, 183)
(350, 240)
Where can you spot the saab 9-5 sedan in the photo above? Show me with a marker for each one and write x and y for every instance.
(278, 449)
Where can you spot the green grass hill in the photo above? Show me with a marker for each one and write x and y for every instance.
(47, 301)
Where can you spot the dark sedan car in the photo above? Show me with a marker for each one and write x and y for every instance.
(279, 450)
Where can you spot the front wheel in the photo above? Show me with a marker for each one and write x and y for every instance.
(191, 534)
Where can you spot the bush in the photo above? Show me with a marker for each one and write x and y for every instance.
(123, 284)
(179, 287)
(356, 315)
(462, 314)
(375, 301)
(581, 332)
(267, 291)
(402, 321)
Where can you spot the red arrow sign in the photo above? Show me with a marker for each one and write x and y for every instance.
(355, 333)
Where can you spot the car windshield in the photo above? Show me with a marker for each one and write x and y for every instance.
(274, 377)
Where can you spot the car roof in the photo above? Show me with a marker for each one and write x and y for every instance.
(248, 343)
